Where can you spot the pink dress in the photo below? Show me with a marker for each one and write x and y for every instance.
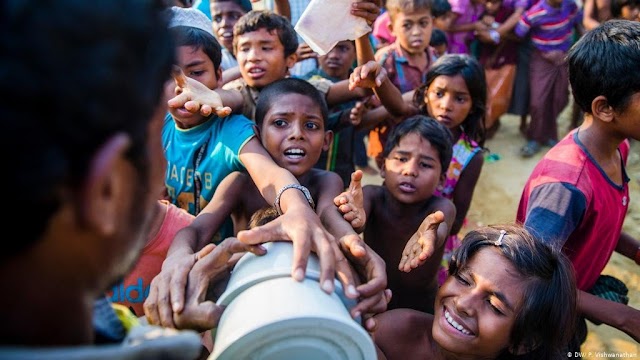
(468, 13)
(463, 151)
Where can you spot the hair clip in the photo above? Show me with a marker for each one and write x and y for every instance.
(499, 241)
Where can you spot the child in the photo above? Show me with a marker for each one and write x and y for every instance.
(224, 15)
(498, 55)
(507, 296)
(578, 195)
(265, 45)
(291, 115)
(439, 43)
(454, 94)
(595, 13)
(417, 152)
(551, 24)
(407, 59)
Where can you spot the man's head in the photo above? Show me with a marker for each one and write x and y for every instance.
(411, 23)
(291, 114)
(603, 72)
(265, 46)
(88, 168)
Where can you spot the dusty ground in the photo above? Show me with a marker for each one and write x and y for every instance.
(496, 199)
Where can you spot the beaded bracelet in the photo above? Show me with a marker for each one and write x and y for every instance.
(304, 190)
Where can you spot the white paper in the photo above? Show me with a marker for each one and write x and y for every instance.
(326, 22)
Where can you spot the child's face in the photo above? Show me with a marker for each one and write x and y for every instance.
(412, 170)
(260, 55)
(476, 309)
(337, 62)
(413, 31)
(443, 22)
(448, 100)
(293, 133)
(196, 65)
(224, 15)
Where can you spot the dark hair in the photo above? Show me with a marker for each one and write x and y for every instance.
(277, 91)
(428, 128)
(199, 39)
(255, 20)
(85, 72)
(395, 7)
(604, 61)
(244, 4)
(617, 5)
(263, 216)
(547, 318)
(440, 7)
(438, 37)
(473, 74)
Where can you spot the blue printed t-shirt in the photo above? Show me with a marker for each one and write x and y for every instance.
(220, 141)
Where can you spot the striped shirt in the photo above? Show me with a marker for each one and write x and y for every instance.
(551, 28)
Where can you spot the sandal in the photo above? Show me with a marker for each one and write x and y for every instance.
(531, 148)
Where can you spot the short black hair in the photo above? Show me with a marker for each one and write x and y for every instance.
(604, 61)
(199, 39)
(438, 37)
(277, 91)
(440, 7)
(428, 128)
(395, 7)
(617, 5)
(255, 20)
(87, 71)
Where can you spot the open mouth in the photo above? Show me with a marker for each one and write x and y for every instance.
(294, 153)
(407, 187)
(455, 325)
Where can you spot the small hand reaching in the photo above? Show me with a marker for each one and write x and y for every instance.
(195, 96)
(369, 75)
(422, 244)
(351, 203)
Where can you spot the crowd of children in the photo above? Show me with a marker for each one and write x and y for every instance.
(242, 115)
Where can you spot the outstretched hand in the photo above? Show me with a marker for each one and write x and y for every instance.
(351, 203)
(301, 226)
(370, 75)
(200, 313)
(422, 244)
(195, 96)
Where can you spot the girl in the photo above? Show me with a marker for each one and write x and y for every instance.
(454, 93)
(507, 295)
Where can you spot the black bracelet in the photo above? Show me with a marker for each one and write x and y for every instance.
(304, 190)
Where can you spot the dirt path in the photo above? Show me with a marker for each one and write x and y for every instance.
(496, 199)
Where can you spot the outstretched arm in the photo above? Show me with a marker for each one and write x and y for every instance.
(430, 235)
(299, 223)
(620, 316)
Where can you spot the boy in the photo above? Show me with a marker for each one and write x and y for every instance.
(551, 24)
(577, 196)
(88, 177)
(291, 115)
(201, 150)
(408, 58)
(224, 15)
(439, 43)
(265, 45)
(415, 158)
